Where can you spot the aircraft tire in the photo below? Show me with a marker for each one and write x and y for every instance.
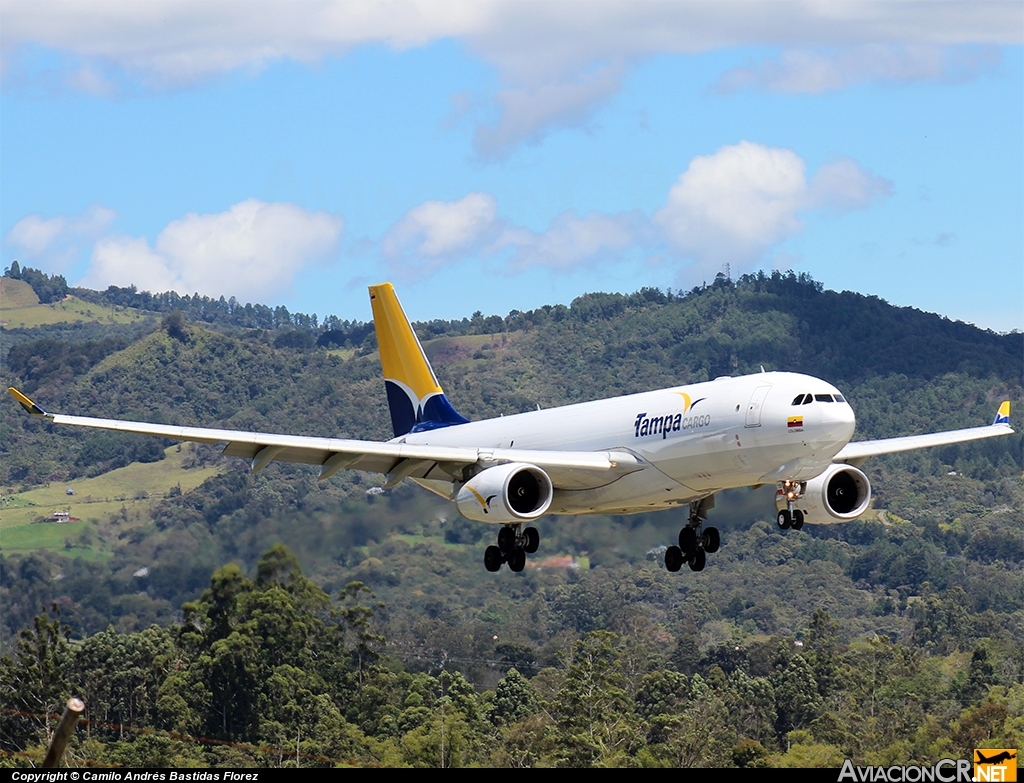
(507, 541)
(673, 558)
(698, 560)
(798, 519)
(784, 520)
(517, 562)
(493, 558)
(688, 540)
(531, 540)
(711, 540)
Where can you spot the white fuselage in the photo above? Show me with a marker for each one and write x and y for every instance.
(691, 440)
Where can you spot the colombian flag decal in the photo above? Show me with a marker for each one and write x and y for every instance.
(795, 422)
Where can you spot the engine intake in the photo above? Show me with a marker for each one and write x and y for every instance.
(510, 493)
(839, 494)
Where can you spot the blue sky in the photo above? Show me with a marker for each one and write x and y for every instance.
(505, 155)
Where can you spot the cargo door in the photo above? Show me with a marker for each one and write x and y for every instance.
(756, 404)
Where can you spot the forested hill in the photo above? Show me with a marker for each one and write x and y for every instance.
(892, 638)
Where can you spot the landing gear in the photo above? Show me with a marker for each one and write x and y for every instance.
(514, 544)
(674, 558)
(711, 540)
(696, 542)
(786, 497)
(531, 540)
(698, 560)
(493, 558)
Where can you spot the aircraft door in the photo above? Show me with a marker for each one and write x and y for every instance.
(755, 405)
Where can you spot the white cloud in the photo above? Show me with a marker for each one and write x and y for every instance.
(252, 251)
(842, 185)
(57, 241)
(88, 80)
(529, 113)
(125, 261)
(572, 240)
(558, 61)
(809, 71)
(732, 206)
(435, 231)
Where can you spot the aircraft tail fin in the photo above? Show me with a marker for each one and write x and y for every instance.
(415, 398)
(1003, 414)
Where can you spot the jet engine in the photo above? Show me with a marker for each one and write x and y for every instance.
(505, 494)
(839, 494)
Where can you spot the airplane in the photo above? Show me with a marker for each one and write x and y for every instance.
(996, 759)
(642, 452)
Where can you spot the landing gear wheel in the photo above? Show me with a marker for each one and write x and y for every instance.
(493, 558)
(698, 560)
(711, 540)
(673, 558)
(798, 519)
(507, 540)
(531, 540)
(688, 540)
(517, 562)
(784, 520)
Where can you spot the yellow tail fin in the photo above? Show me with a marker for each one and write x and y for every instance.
(415, 398)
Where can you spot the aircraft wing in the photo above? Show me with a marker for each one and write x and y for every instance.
(398, 461)
(856, 453)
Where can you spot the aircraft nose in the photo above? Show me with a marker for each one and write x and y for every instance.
(840, 420)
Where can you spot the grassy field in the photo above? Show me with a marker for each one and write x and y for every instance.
(344, 353)
(127, 494)
(16, 293)
(13, 314)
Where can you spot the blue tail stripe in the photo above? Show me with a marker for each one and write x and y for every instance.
(437, 412)
(403, 417)
(440, 413)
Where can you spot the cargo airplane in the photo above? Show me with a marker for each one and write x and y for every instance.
(642, 452)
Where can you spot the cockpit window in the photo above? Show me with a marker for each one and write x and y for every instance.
(840, 398)
(823, 397)
(808, 399)
(799, 399)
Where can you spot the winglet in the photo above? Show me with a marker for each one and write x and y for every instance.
(1003, 414)
(26, 403)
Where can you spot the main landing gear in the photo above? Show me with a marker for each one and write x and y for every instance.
(696, 542)
(514, 544)
(786, 496)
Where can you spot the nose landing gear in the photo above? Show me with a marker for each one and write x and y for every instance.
(786, 496)
(696, 542)
(514, 544)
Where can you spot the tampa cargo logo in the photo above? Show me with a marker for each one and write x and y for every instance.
(662, 425)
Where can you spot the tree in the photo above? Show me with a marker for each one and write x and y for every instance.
(174, 324)
(34, 683)
(514, 699)
(592, 709)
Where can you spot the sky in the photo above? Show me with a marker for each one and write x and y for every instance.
(504, 155)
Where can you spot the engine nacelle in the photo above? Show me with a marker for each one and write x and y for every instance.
(839, 494)
(510, 493)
